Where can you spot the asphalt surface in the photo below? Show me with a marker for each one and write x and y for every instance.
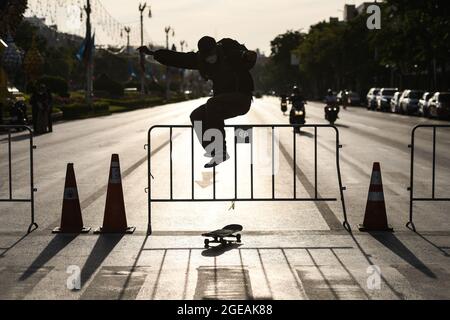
(290, 249)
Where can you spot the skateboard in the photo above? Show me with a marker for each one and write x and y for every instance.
(219, 236)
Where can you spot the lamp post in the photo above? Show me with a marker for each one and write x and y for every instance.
(128, 30)
(167, 30)
(142, 8)
(183, 44)
(90, 58)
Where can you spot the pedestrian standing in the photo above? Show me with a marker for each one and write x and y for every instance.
(49, 111)
(40, 109)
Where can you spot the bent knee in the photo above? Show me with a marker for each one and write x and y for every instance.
(196, 115)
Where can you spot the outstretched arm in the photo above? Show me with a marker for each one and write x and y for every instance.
(173, 58)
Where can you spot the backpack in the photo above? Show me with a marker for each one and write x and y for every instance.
(233, 52)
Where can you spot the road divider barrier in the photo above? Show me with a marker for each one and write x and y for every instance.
(29, 135)
(115, 220)
(412, 197)
(245, 134)
(375, 217)
(71, 216)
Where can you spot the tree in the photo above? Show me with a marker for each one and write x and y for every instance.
(11, 14)
(282, 73)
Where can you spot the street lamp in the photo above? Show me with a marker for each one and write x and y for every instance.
(167, 30)
(142, 8)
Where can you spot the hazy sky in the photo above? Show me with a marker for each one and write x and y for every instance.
(253, 22)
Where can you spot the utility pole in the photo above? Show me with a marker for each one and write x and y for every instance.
(89, 62)
(182, 44)
(167, 30)
(128, 30)
(142, 8)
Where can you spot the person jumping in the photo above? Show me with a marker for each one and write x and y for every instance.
(227, 64)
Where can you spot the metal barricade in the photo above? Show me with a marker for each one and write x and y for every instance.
(239, 129)
(11, 198)
(433, 197)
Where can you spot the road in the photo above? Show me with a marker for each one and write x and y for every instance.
(290, 250)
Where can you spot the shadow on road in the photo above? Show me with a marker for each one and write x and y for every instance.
(306, 134)
(391, 242)
(220, 250)
(441, 249)
(58, 243)
(5, 250)
(102, 248)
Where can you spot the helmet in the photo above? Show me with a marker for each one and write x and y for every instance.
(330, 92)
(295, 90)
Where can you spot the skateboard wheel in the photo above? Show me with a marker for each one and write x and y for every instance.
(238, 238)
(206, 243)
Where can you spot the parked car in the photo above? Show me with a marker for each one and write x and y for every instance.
(409, 102)
(423, 104)
(439, 105)
(395, 101)
(384, 98)
(353, 98)
(372, 98)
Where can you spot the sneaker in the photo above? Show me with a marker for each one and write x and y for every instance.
(218, 159)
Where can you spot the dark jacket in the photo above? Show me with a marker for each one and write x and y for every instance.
(229, 74)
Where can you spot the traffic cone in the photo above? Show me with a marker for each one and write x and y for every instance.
(115, 220)
(71, 219)
(375, 218)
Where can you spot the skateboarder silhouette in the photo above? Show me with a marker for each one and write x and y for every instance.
(226, 63)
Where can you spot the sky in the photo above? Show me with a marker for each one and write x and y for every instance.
(252, 22)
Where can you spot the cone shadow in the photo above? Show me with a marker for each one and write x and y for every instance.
(391, 242)
(57, 244)
(102, 248)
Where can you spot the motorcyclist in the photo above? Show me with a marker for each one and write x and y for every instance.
(296, 95)
(227, 64)
(344, 99)
(330, 98)
(331, 101)
(284, 100)
(298, 112)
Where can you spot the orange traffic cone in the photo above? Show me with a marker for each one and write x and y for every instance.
(115, 220)
(71, 219)
(375, 218)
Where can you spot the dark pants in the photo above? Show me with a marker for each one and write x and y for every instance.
(213, 114)
(50, 120)
(34, 114)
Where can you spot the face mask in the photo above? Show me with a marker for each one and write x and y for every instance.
(211, 59)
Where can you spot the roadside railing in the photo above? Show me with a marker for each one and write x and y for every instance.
(244, 134)
(11, 198)
(433, 197)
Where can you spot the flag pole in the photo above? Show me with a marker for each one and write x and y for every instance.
(89, 63)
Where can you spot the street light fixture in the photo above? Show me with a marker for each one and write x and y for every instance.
(142, 8)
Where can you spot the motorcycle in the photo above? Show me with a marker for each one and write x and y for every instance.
(19, 114)
(284, 105)
(298, 114)
(331, 113)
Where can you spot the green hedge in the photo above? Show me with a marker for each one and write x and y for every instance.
(57, 85)
(135, 103)
(80, 110)
(106, 84)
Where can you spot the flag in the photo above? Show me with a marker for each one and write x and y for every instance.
(131, 72)
(84, 54)
(80, 52)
